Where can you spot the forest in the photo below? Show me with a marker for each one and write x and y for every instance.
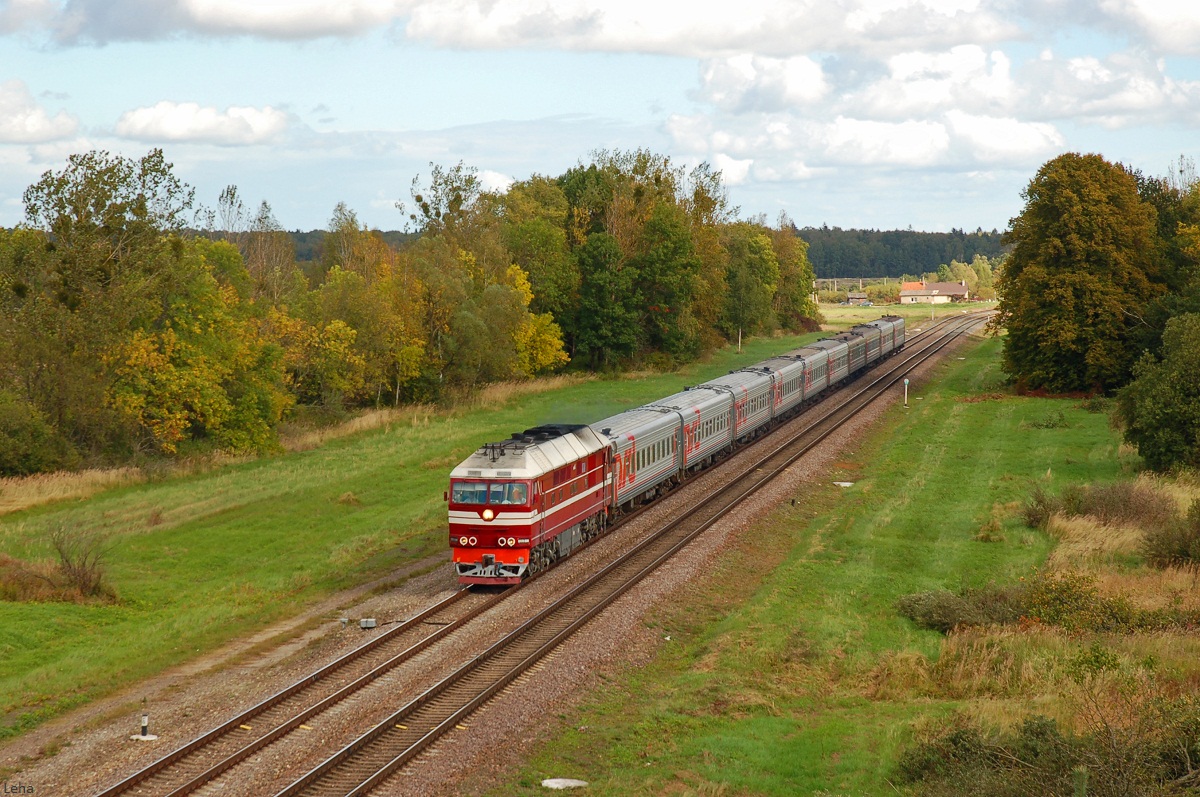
(835, 252)
(136, 322)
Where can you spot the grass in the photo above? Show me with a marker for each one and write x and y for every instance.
(211, 555)
(790, 671)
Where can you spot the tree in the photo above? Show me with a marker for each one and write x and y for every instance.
(753, 274)
(793, 304)
(608, 303)
(667, 266)
(1083, 269)
(1160, 408)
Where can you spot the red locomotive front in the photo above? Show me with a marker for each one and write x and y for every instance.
(519, 505)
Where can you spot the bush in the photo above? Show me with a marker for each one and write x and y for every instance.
(938, 610)
(1127, 502)
(1174, 543)
(1151, 755)
(28, 444)
(1072, 602)
(941, 610)
(1051, 420)
(1037, 510)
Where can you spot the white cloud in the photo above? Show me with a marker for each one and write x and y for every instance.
(734, 170)
(777, 28)
(1169, 25)
(995, 140)
(922, 83)
(755, 83)
(1117, 90)
(17, 15)
(188, 121)
(911, 143)
(292, 19)
(23, 121)
(494, 181)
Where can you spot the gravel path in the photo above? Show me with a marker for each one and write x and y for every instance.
(89, 749)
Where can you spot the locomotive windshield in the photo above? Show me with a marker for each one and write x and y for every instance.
(489, 493)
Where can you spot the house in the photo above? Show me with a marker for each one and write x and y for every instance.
(857, 297)
(933, 292)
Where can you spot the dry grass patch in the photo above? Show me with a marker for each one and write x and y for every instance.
(1169, 588)
(23, 492)
(307, 439)
(79, 575)
(502, 392)
(1084, 541)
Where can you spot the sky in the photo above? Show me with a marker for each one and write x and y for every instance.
(884, 114)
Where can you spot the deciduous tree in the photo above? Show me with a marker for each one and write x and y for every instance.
(1083, 269)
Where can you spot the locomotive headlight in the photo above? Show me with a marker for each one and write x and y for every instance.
(462, 540)
(500, 541)
(488, 514)
(511, 541)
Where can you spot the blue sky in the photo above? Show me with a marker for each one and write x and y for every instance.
(857, 113)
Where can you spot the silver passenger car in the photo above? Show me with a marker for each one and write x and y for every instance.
(706, 422)
(645, 450)
(750, 392)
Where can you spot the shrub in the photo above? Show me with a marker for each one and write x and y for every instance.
(1037, 510)
(1128, 502)
(81, 561)
(938, 610)
(28, 444)
(1174, 543)
(1094, 404)
(1052, 420)
(1072, 601)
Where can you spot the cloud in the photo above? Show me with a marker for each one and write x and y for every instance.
(734, 170)
(1117, 90)
(754, 83)
(777, 28)
(18, 15)
(495, 181)
(188, 121)
(858, 141)
(103, 21)
(1006, 141)
(1172, 27)
(921, 83)
(23, 121)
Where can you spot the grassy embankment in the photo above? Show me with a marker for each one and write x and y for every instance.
(791, 672)
(200, 559)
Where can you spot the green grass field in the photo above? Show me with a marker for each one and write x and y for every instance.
(771, 681)
(199, 560)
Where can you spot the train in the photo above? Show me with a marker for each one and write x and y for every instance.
(518, 506)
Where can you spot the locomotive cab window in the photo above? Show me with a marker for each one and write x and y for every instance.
(508, 493)
(468, 492)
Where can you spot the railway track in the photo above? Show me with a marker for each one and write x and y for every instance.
(186, 769)
(199, 762)
(376, 755)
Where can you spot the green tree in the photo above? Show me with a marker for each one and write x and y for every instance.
(1160, 408)
(1083, 269)
(609, 300)
(793, 303)
(752, 276)
(667, 266)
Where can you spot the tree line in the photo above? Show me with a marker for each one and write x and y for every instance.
(1101, 294)
(893, 253)
(135, 322)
